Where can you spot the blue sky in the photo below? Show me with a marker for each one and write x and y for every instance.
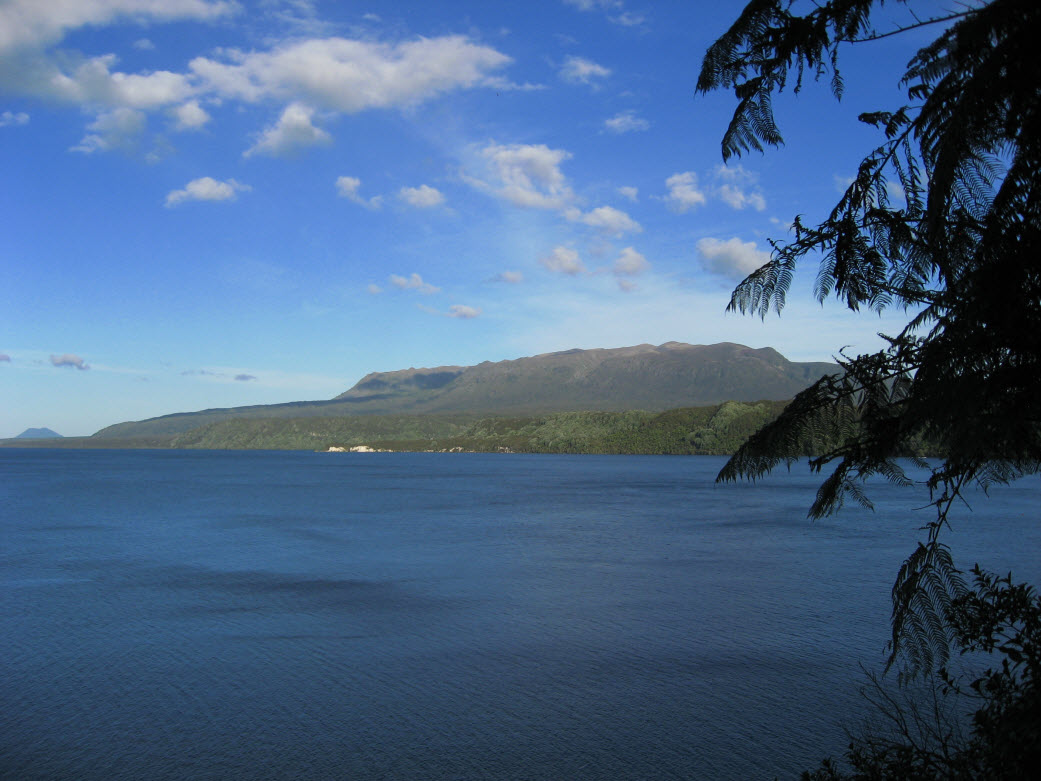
(213, 203)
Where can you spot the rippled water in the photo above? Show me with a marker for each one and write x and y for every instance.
(205, 615)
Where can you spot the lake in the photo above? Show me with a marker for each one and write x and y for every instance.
(282, 615)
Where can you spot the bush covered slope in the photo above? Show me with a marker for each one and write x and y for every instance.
(714, 430)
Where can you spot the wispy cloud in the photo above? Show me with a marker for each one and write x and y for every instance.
(119, 128)
(563, 260)
(422, 197)
(626, 122)
(683, 192)
(630, 263)
(9, 118)
(578, 70)
(738, 187)
(348, 187)
(69, 360)
(631, 193)
(413, 282)
(609, 220)
(509, 277)
(463, 312)
(206, 188)
(614, 9)
(526, 175)
(530, 176)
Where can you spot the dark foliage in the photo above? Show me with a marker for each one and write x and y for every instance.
(920, 737)
(961, 253)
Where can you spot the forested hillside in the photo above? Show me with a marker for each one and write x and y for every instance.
(714, 430)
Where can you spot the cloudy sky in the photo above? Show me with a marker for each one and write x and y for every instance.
(210, 203)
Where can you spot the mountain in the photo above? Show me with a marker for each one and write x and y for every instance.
(39, 433)
(643, 377)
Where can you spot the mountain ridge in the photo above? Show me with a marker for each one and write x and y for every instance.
(645, 377)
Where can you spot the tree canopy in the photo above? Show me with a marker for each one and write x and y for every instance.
(960, 252)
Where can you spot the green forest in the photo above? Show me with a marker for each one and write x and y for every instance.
(713, 430)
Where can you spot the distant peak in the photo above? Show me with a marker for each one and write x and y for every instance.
(39, 433)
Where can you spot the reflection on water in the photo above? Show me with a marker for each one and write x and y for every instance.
(171, 615)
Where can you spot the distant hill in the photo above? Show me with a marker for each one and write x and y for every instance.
(39, 433)
(643, 377)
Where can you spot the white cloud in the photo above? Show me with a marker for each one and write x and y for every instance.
(613, 8)
(35, 23)
(526, 175)
(739, 188)
(293, 132)
(348, 186)
(463, 312)
(612, 221)
(374, 289)
(117, 129)
(563, 260)
(9, 118)
(732, 258)
(578, 70)
(630, 263)
(206, 188)
(683, 192)
(413, 282)
(349, 76)
(93, 82)
(331, 74)
(422, 197)
(189, 116)
(69, 360)
(626, 122)
(144, 45)
(509, 277)
(629, 192)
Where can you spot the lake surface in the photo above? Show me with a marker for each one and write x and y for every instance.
(284, 615)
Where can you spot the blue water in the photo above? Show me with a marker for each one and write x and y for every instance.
(219, 615)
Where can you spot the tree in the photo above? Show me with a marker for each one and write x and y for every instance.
(960, 252)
